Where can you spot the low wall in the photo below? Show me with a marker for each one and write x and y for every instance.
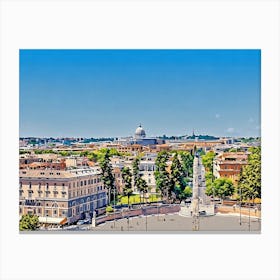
(145, 211)
(236, 210)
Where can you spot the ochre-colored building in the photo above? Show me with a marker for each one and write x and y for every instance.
(228, 165)
(60, 196)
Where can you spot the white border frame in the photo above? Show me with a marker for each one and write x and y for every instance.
(139, 24)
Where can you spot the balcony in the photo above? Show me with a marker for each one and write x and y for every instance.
(51, 198)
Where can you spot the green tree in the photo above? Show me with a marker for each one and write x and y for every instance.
(209, 178)
(221, 187)
(28, 222)
(107, 175)
(207, 161)
(177, 182)
(135, 172)
(187, 163)
(127, 177)
(92, 156)
(143, 187)
(84, 153)
(64, 153)
(161, 174)
(187, 192)
(249, 183)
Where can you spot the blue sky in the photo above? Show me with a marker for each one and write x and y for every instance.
(101, 93)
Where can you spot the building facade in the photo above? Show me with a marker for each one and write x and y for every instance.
(229, 165)
(61, 196)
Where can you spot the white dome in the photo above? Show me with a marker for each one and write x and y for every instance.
(140, 132)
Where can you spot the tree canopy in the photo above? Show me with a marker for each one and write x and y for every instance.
(161, 174)
(221, 187)
(207, 161)
(29, 222)
(127, 177)
(250, 177)
(107, 174)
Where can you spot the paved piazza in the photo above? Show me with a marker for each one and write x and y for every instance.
(176, 223)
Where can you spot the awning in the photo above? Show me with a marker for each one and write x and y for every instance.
(51, 220)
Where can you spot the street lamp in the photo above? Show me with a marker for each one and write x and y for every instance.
(240, 223)
(115, 207)
(146, 222)
(249, 215)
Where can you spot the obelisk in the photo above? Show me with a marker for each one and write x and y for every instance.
(195, 196)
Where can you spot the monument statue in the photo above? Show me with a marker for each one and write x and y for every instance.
(200, 204)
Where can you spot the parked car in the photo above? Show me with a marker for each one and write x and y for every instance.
(202, 213)
(87, 221)
(80, 222)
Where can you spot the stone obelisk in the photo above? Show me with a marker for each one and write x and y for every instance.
(195, 196)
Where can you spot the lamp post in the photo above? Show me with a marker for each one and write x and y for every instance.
(249, 215)
(115, 207)
(214, 198)
(146, 222)
(240, 223)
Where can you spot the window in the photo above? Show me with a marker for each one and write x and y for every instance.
(20, 185)
(47, 186)
(81, 184)
(29, 194)
(85, 182)
(30, 185)
(39, 186)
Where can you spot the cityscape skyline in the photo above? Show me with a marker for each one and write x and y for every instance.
(107, 93)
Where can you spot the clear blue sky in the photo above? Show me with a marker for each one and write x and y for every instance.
(101, 93)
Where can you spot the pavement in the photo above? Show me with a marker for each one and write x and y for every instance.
(175, 223)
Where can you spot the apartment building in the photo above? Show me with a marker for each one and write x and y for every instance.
(61, 196)
(228, 165)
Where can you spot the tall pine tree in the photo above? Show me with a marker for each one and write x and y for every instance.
(107, 175)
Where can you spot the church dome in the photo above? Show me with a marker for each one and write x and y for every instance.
(140, 132)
